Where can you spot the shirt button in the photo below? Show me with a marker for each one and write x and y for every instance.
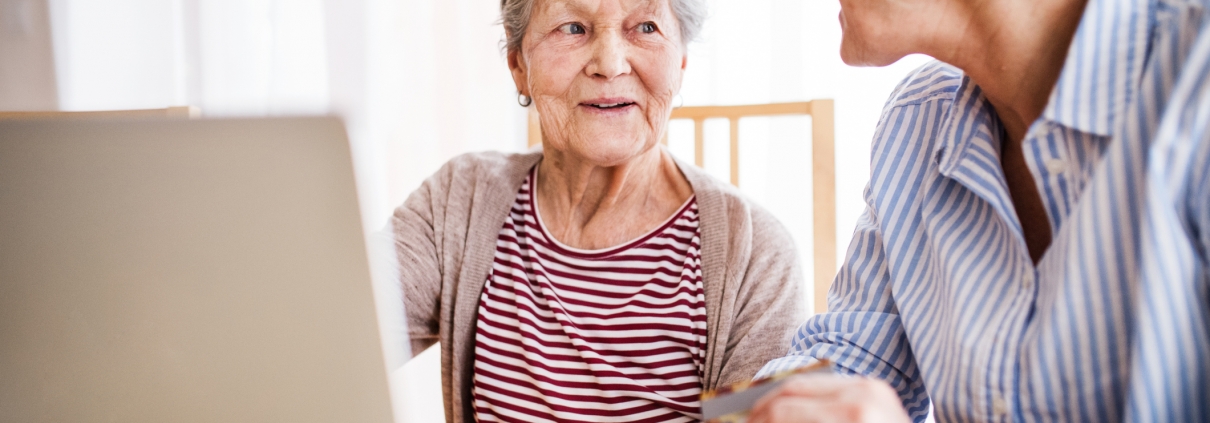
(1027, 282)
(1055, 166)
(999, 406)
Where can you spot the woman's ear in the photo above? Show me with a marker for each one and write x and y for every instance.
(517, 65)
(681, 74)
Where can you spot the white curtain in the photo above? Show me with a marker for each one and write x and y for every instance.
(412, 79)
(419, 81)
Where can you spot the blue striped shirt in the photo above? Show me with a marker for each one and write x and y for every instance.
(938, 294)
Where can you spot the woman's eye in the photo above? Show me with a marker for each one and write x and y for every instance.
(647, 27)
(572, 28)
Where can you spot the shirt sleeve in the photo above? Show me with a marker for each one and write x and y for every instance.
(862, 333)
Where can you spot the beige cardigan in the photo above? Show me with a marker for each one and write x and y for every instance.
(445, 238)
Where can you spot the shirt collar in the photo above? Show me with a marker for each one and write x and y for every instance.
(969, 151)
(968, 120)
(1100, 76)
(1103, 68)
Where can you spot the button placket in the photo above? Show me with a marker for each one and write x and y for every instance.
(1056, 166)
(999, 405)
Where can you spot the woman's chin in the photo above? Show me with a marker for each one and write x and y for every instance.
(610, 151)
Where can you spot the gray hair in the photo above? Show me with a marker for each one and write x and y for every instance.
(515, 14)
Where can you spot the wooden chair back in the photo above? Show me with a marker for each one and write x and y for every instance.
(823, 168)
(178, 112)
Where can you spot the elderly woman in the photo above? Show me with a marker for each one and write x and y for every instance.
(597, 279)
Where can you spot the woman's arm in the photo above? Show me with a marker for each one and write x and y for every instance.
(769, 304)
(417, 251)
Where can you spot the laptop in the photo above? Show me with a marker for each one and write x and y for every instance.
(185, 271)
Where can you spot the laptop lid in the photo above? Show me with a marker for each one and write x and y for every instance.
(185, 271)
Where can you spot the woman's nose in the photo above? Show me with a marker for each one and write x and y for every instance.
(609, 56)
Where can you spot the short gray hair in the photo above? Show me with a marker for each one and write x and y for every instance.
(515, 14)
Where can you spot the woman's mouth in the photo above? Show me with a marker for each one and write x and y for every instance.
(608, 104)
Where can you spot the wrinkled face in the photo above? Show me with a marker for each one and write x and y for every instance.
(602, 74)
(880, 32)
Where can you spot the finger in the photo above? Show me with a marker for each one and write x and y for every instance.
(866, 388)
(799, 410)
(808, 386)
(817, 384)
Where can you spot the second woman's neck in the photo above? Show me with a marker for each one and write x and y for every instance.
(1016, 56)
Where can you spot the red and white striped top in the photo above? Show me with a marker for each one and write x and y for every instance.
(570, 335)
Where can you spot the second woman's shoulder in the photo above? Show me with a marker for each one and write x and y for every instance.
(935, 80)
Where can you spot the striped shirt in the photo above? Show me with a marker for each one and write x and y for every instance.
(572, 335)
(938, 294)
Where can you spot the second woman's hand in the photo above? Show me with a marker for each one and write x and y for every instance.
(830, 398)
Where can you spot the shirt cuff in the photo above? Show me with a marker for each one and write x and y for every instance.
(785, 363)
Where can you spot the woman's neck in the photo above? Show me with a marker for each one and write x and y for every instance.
(1014, 51)
(590, 206)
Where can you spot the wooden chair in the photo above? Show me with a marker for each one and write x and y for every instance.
(823, 168)
(178, 112)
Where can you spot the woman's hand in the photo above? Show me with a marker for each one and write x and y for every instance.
(830, 398)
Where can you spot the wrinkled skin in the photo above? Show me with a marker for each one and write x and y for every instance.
(602, 75)
(581, 50)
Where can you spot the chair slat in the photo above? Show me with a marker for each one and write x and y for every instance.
(699, 142)
(823, 198)
(735, 151)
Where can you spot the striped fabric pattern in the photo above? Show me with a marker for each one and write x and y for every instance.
(571, 335)
(1172, 380)
(938, 294)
